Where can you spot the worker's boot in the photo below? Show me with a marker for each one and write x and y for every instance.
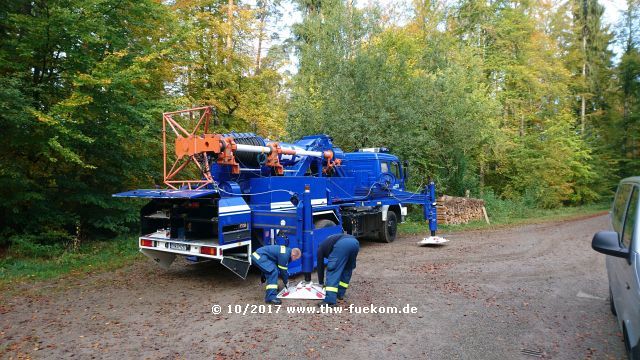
(324, 303)
(274, 302)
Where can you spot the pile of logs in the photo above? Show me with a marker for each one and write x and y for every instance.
(460, 210)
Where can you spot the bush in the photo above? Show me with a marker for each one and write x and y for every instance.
(30, 246)
(500, 209)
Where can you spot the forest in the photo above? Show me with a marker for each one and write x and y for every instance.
(534, 102)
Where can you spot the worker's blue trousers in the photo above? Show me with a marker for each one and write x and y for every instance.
(272, 279)
(342, 261)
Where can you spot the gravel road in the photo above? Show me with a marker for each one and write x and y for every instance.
(500, 294)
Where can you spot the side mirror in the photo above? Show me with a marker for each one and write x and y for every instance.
(606, 242)
(405, 165)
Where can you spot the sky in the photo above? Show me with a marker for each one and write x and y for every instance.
(613, 9)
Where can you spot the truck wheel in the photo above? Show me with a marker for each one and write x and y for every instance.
(389, 228)
(323, 223)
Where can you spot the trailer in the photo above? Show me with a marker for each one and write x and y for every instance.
(226, 195)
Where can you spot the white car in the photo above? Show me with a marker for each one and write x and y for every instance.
(623, 262)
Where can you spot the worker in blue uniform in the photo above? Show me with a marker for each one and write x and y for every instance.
(273, 260)
(341, 250)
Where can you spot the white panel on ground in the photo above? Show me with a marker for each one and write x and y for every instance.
(302, 291)
(433, 240)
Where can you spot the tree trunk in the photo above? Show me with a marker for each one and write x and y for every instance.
(263, 21)
(481, 177)
(583, 108)
(229, 44)
(350, 30)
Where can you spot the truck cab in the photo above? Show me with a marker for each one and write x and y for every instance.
(375, 171)
(372, 212)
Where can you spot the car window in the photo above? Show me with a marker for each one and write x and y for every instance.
(384, 167)
(631, 219)
(395, 170)
(619, 206)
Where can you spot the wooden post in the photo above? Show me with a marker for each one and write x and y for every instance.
(486, 217)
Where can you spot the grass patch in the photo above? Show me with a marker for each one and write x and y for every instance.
(92, 256)
(502, 217)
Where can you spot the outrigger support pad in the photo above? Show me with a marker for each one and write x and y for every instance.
(303, 291)
(433, 240)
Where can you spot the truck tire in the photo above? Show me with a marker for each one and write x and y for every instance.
(323, 223)
(389, 228)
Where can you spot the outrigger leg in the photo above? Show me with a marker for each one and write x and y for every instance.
(430, 215)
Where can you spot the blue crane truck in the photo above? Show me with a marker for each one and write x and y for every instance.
(228, 194)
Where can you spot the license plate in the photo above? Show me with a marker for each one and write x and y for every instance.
(180, 247)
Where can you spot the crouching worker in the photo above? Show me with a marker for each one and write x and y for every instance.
(341, 250)
(271, 260)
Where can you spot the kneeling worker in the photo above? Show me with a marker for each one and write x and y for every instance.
(341, 250)
(271, 260)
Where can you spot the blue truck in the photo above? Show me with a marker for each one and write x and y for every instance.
(245, 191)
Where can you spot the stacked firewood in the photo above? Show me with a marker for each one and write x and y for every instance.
(460, 210)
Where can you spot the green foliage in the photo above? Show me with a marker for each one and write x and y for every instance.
(552, 167)
(420, 98)
(481, 96)
(29, 246)
(626, 135)
(41, 263)
(485, 105)
(82, 85)
(491, 101)
(503, 209)
(216, 65)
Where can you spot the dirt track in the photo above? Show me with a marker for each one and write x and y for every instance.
(486, 295)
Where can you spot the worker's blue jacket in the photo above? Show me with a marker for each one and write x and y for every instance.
(272, 257)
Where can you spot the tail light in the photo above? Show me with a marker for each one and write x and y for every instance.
(208, 250)
(145, 242)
